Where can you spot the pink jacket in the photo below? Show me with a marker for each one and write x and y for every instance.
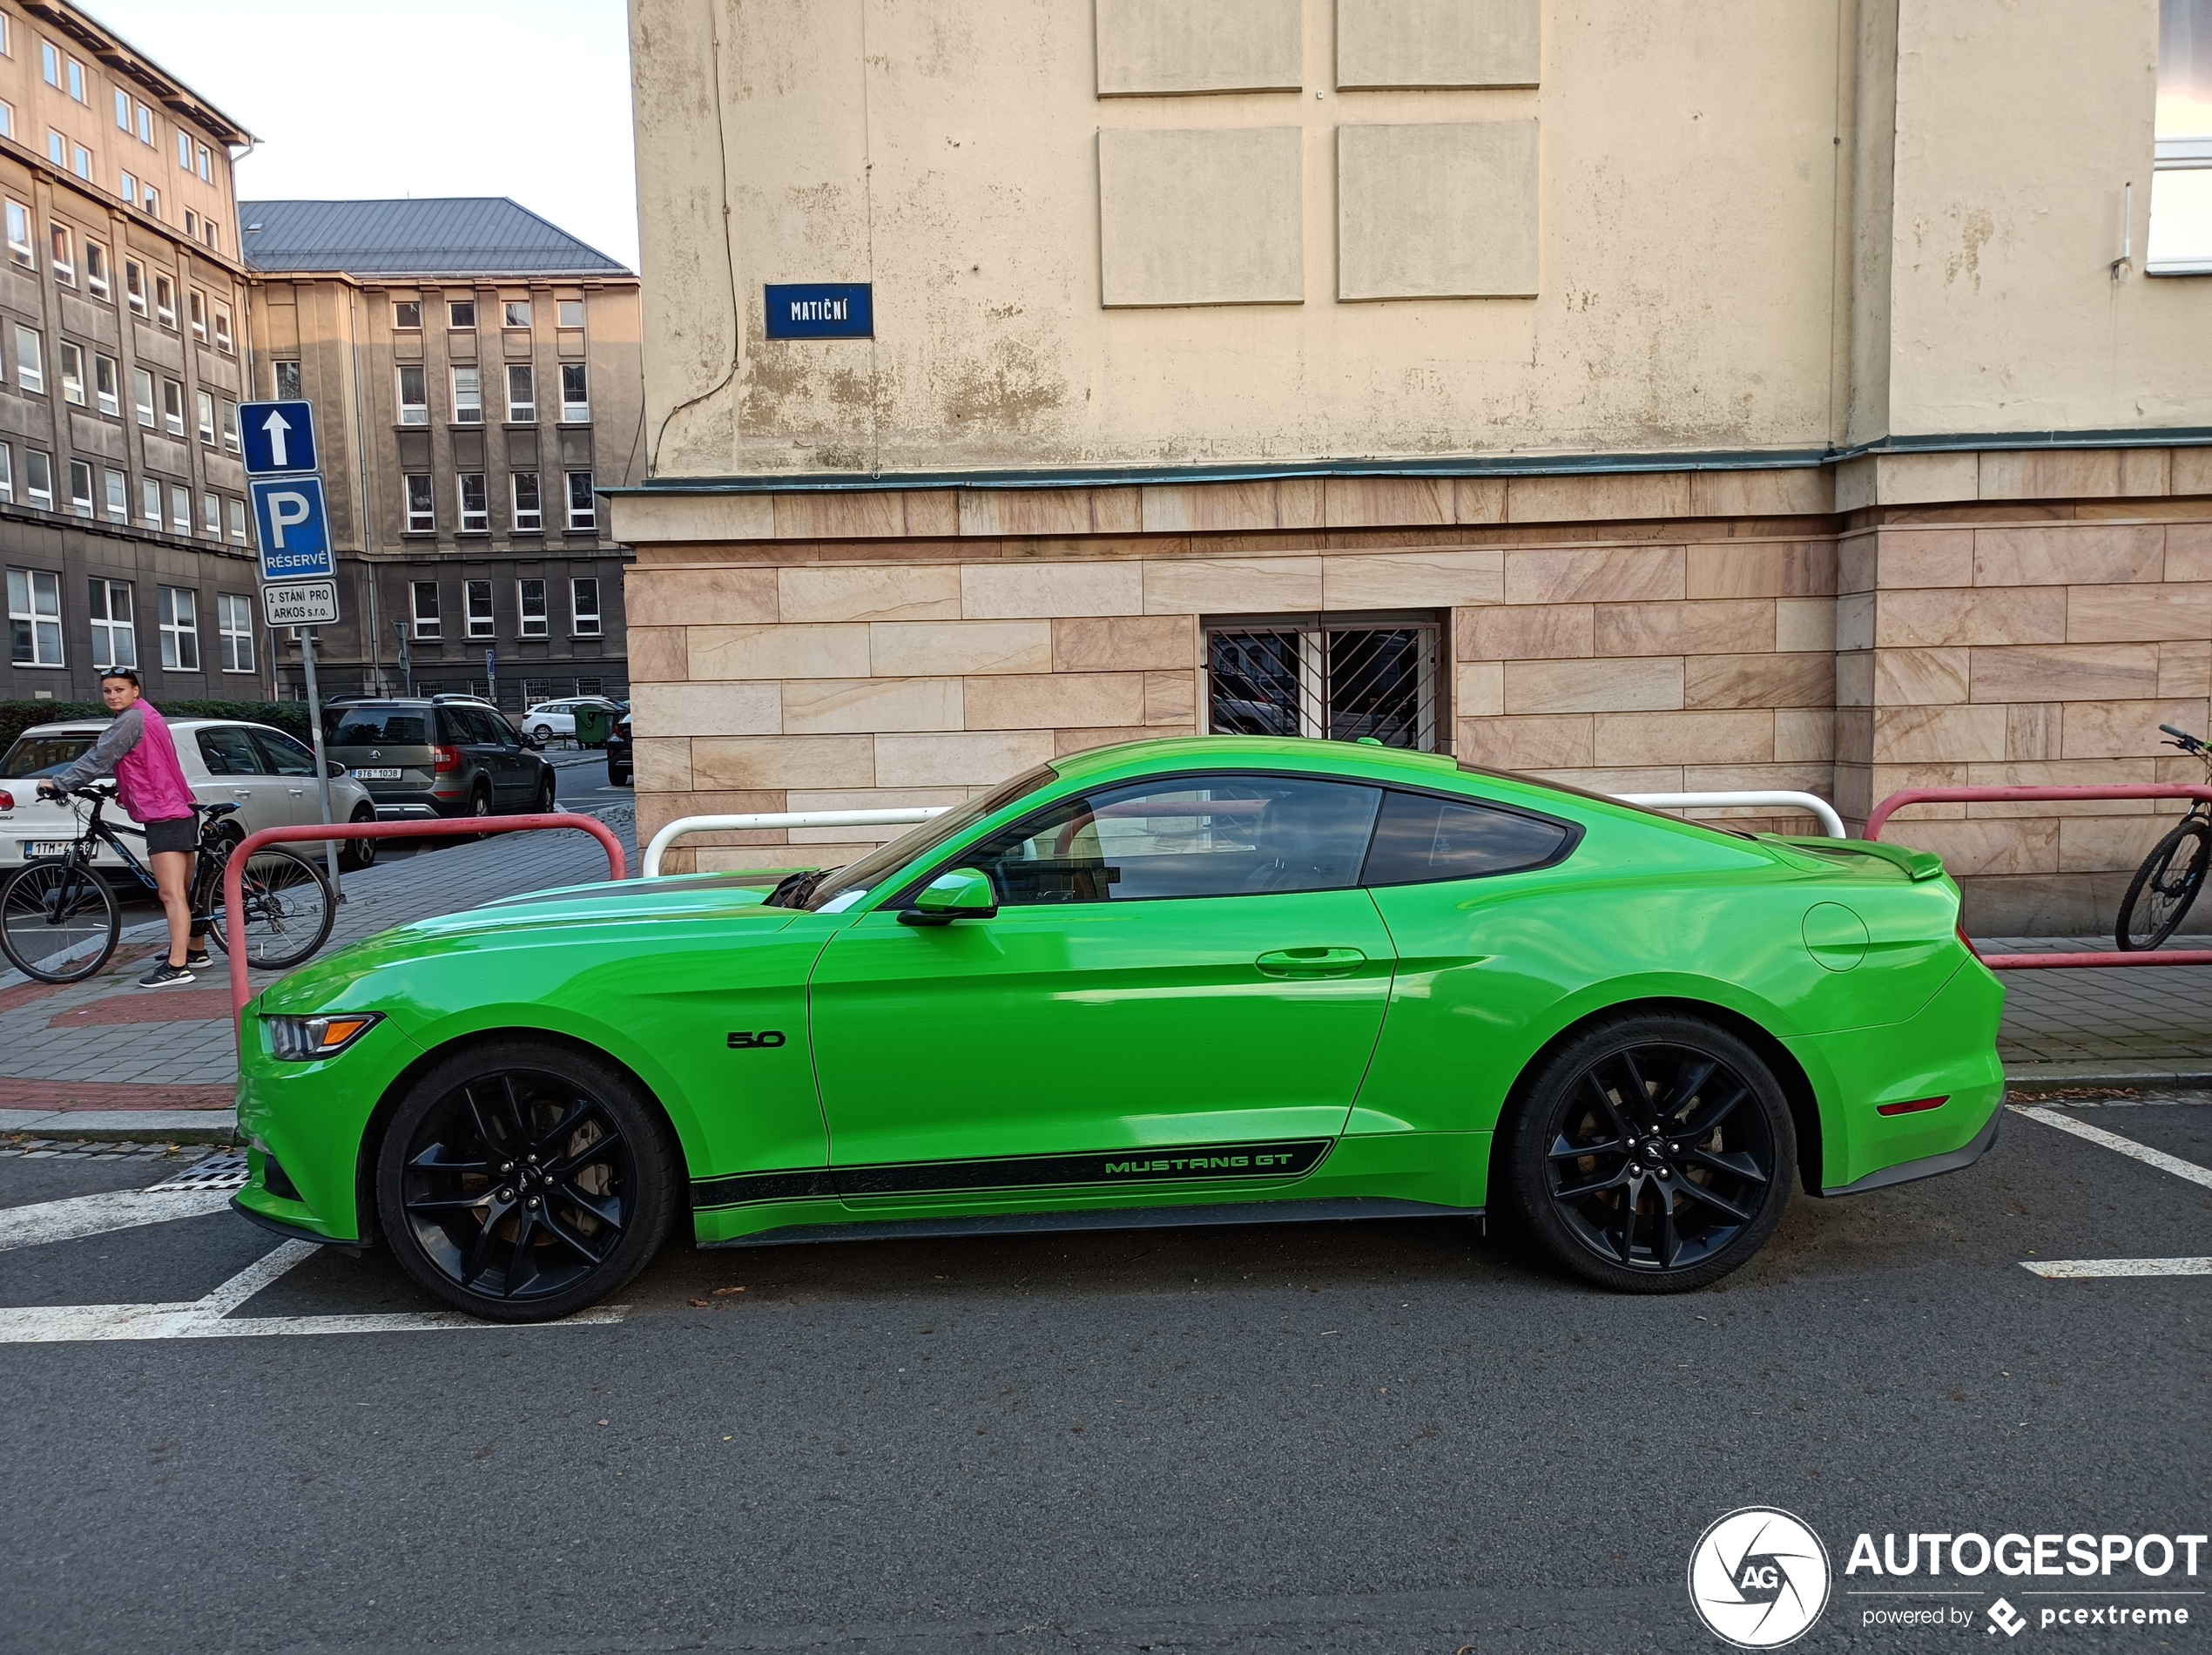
(148, 782)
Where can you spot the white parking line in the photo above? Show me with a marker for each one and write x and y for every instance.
(210, 1318)
(2159, 1158)
(82, 1215)
(2075, 1269)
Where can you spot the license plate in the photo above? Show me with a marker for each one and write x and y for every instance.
(34, 848)
(378, 774)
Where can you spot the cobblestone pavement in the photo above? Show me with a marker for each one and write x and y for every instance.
(2156, 1014)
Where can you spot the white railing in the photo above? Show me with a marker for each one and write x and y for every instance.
(685, 826)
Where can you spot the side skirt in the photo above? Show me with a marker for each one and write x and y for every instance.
(1143, 1218)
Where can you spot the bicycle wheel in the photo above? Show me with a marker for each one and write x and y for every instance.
(2159, 896)
(58, 921)
(287, 911)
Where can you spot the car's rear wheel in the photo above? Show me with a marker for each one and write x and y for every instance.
(1651, 1154)
(480, 805)
(545, 796)
(524, 1181)
(359, 853)
(618, 775)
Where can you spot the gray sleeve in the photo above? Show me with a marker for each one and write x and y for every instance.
(116, 740)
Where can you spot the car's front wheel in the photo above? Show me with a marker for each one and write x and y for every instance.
(1650, 1154)
(523, 1181)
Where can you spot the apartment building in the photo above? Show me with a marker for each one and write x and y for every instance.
(123, 306)
(1701, 394)
(476, 381)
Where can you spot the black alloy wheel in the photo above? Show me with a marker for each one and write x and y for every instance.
(2165, 887)
(522, 1182)
(1652, 1154)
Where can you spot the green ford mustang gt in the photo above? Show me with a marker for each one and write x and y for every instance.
(1194, 981)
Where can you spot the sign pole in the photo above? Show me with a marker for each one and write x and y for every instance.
(322, 763)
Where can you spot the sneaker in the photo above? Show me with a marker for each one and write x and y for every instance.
(197, 960)
(165, 975)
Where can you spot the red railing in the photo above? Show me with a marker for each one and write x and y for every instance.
(1898, 801)
(234, 871)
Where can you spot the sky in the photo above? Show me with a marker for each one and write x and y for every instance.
(359, 99)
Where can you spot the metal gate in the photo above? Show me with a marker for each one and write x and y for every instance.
(1339, 676)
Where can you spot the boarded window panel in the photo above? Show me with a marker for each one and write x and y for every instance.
(1438, 43)
(1153, 46)
(1440, 211)
(1201, 218)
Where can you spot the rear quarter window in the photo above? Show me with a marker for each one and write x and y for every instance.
(43, 755)
(375, 726)
(1422, 838)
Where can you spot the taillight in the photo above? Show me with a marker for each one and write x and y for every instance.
(448, 758)
(1916, 1107)
(7, 799)
(1967, 943)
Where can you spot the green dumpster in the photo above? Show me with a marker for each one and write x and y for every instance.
(593, 724)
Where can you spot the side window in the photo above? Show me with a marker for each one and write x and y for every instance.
(452, 728)
(285, 756)
(228, 753)
(1422, 838)
(1188, 836)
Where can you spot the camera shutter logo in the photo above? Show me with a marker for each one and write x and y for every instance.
(1758, 1578)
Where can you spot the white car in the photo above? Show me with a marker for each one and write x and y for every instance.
(268, 774)
(550, 719)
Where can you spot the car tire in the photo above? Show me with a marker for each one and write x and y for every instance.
(1650, 1153)
(541, 733)
(480, 804)
(546, 796)
(359, 854)
(617, 776)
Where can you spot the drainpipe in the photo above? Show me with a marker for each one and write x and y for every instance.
(372, 629)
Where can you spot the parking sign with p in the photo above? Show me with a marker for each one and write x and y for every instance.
(294, 531)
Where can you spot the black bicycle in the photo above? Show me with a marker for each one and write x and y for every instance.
(2165, 887)
(60, 921)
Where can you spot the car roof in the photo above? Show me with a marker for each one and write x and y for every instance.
(93, 726)
(1271, 753)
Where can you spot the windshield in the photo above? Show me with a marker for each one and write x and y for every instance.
(370, 725)
(841, 888)
(37, 755)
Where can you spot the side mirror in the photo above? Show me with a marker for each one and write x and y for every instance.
(337, 769)
(962, 894)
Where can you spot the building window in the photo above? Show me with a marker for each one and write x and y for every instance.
(172, 407)
(34, 618)
(179, 509)
(407, 314)
(192, 223)
(127, 187)
(426, 610)
(150, 502)
(7, 37)
(50, 63)
(529, 598)
(238, 521)
(234, 624)
(414, 398)
(2181, 184)
(571, 313)
(287, 381)
(227, 414)
(39, 478)
(518, 312)
(583, 505)
(77, 80)
(7, 119)
(210, 515)
(142, 399)
(165, 303)
(117, 488)
(583, 607)
(19, 232)
(107, 384)
(521, 396)
(146, 125)
(30, 360)
(134, 285)
(56, 148)
(211, 233)
(178, 609)
(122, 109)
(205, 168)
(468, 396)
(184, 150)
(198, 307)
(223, 331)
(153, 201)
(80, 488)
(1340, 679)
(82, 163)
(115, 643)
(64, 260)
(461, 315)
(422, 507)
(479, 596)
(205, 401)
(529, 519)
(7, 472)
(576, 404)
(475, 513)
(72, 357)
(96, 270)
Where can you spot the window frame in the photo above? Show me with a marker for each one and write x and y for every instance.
(134, 285)
(172, 406)
(115, 488)
(237, 641)
(150, 495)
(107, 385)
(68, 363)
(524, 411)
(525, 622)
(418, 503)
(277, 376)
(469, 411)
(103, 623)
(476, 627)
(576, 411)
(203, 417)
(97, 270)
(61, 243)
(535, 512)
(475, 520)
(179, 626)
(416, 412)
(30, 360)
(165, 301)
(428, 628)
(454, 321)
(577, 616)
(38, 623)
(179, 509)
(35, 462)
(211, 516)
(583, 519)
(82, 501)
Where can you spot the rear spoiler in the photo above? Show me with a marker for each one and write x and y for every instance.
(1915, 865)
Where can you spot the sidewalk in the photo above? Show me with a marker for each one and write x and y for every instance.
(107, 1059)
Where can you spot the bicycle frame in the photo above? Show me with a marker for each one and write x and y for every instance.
(94, 831)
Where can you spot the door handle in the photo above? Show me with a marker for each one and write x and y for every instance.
(1310, 963)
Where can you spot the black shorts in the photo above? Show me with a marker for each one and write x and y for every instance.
(181, 834)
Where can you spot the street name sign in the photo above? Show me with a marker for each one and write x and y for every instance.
(294, 530)
(821, 310)
(280, 437)
(300, 602)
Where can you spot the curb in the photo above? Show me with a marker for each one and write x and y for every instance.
(217, 1126)
(2105, 1071)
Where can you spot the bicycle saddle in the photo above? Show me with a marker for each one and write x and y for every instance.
(215, 812)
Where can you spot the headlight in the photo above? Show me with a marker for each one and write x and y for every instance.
(305, 1039)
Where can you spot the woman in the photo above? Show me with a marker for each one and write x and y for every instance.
(148, 784)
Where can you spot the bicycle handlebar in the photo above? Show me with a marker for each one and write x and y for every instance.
(2183, 739)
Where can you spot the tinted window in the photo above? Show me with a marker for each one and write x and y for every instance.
(841, 888)
(1190, 836)
(285, 756)
(1421, 837)
(44, 755)
(229, 753)
(371, 726)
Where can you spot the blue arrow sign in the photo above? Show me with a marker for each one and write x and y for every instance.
(280, 436)
(294, 532)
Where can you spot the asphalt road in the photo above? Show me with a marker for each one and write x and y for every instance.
(1382, 1437)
